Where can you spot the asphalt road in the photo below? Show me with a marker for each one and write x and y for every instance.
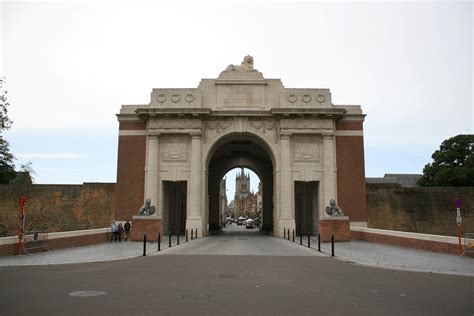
(232, 285)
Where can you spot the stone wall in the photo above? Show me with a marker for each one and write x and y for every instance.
(420, 210)
(56, 208)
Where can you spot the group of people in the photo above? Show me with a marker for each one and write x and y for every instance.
(120, 230)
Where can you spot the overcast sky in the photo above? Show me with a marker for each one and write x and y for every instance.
(71, 65)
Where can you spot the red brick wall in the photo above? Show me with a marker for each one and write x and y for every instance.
(149, 227)
(338, 228)
(58, 243)
(351, 194)
(56, 208)
(130, 176)
(419, 210)
(406, 242)
(8, 250)
(349, 126)
(130, 171)
(132, 126)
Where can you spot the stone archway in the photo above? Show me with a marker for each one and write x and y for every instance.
(241, 150)
(175, 146)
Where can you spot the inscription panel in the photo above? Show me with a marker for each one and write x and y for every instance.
(306, 151)
(175, 151)
(240, 96)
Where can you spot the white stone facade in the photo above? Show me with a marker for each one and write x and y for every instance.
(295, 128)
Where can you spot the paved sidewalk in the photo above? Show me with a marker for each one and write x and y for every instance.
(397, 258)
(251, 243)
(95, 253)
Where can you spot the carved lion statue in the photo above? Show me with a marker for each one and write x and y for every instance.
(246, 65)
(333, 209)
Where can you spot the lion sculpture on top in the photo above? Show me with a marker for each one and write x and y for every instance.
(246, 65)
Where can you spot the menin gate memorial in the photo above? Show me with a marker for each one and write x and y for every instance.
(305, 149)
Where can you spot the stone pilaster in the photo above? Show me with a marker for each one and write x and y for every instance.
(329, 174)
(151, 180)
(287, 219)
(194, 219)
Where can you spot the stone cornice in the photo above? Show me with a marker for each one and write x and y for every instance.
(146, 113)
(151, 112)
(330, 112)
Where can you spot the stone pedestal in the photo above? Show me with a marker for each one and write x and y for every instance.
(193, 224)
(146, 225)
(339, 226)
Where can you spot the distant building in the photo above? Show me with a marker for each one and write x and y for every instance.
(230, 209)
(404, 180)
(223, 201)
(245, 201)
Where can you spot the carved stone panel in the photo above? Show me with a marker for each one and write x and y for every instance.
(252, 96)
(215, 128)
(175, 150)
(306, 123)
(305, 98)
(176, 98)
(174, 123)
(306, 151)
(268, 128)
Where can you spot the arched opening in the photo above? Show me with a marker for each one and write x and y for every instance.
(240, 197)
(241, 151)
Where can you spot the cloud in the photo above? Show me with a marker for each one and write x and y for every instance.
(54, 155)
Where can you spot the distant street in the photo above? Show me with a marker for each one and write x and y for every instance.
(237, 240)
(166, 284)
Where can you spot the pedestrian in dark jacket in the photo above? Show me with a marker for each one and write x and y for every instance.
(120, 232)
(126, 228)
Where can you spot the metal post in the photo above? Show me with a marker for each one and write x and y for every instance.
(309, 242)
(22, 225)
(186, 235)
(319, 242)
(144, 245)
(169, 238)
(196, 233)
(332, 245)
(177, 238)
(284, 233)
(301, 238)
(288, 234)
(159, 242)
(192, 234)
(293, 235)
(459, 238)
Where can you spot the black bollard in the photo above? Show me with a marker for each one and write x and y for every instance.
(284, 233)
(186, 235)
(159, 242)
(169, 238)
(332, 245)
(301, 238)
(192, 233)
(177, 238)
(144, 245)
(196, 237)
(293, 235)
(319, 242)
(288, 234)
(309, 242)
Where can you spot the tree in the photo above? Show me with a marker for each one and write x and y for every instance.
(453, 164)
(28, 168)
(5, 122)
(7, 167)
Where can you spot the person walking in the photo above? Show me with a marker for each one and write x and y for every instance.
(114, 228)
(120, 232)
(126, 228)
